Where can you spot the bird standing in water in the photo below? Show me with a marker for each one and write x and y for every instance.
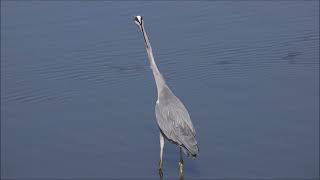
(172, 117)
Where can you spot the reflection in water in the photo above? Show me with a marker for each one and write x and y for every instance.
(181, 176)
(160, 174)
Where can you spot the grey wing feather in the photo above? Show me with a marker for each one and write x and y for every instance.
(174, 121)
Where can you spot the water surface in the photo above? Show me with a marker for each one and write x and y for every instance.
(78, 96)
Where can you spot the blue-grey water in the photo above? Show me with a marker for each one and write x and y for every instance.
(78, 96)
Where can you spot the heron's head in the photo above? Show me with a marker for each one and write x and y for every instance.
(139, 21)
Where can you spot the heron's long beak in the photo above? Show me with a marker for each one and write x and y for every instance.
(139, 21)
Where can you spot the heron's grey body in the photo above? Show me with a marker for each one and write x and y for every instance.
(174, 121)
(172, 116)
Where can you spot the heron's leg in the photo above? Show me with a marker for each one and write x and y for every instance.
(161, 150)
(181, 162)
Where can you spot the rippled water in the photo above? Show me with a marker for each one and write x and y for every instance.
(78, 96)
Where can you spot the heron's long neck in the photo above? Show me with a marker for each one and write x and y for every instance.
(160, 82)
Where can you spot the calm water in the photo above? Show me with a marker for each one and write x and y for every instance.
(78, 96)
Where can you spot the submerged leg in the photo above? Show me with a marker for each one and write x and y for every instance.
(181, 162)
(161, 150)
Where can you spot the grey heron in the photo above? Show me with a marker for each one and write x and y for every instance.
(172, 117)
